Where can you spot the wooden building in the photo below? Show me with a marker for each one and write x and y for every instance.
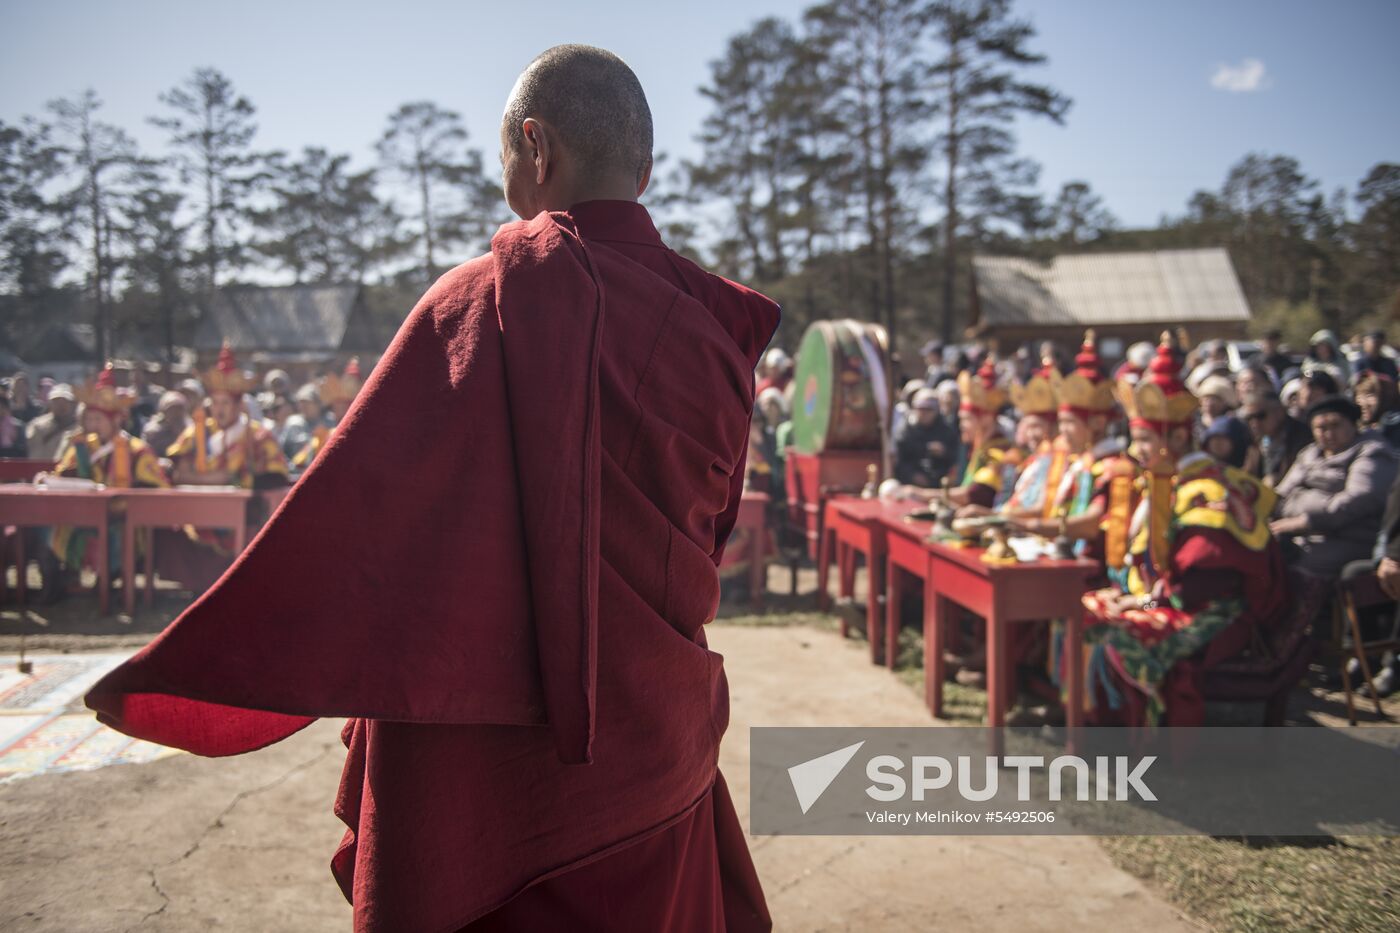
(303, 329)
(1125, 297)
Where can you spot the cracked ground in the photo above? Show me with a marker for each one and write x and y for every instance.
(244, 843)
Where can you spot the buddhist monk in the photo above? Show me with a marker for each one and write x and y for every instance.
(1201, 575)
(223, 447)
(337, 392)
(107, 455)
(517, 633)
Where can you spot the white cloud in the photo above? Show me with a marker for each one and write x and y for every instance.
(1247, 76)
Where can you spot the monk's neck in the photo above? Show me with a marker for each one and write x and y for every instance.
(568, 195)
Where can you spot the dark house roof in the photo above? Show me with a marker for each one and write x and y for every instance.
(61, 341)
(287, 322)
(1165, 287)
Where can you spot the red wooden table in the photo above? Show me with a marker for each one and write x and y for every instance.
(200, 506)
(23, 471)
(27, 506)
(1033, 591)
(854, 526)
(753, 516)
(814, 478)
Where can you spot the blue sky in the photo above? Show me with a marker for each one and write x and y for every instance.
(1147, 128)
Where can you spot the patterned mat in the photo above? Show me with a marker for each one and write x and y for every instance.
(44, 727)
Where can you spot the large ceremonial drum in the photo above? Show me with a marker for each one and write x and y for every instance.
(842, 387)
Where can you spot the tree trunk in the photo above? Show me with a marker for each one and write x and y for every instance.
(950, 197)
(99, 306)
(211, 214)
(886, 192)
(872, 227)
(167, 308)
(427, 222)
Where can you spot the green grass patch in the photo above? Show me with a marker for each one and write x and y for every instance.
(1347, 883)
(1250, 886)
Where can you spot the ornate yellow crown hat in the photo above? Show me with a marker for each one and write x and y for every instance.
(980, 392)
(343, 388)
(1086, 391)
(1158, 400)
(103, 395)
(227, 377)
(1037, 396)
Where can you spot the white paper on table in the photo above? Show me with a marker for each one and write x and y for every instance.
(69, 482)
(1030, 547)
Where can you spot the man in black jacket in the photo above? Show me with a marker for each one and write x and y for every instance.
(1377, 621)
(925, 443)
(1278, 436)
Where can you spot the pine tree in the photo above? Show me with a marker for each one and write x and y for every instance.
(156, 259)
(97, 160)
(31, 254)
(424, 146)
(876, 48)
(211, 137)
(978, 96)
(1078, 215)
(325, 223)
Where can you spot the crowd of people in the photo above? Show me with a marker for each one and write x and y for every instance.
(1205, 481)
(1194, 477)
(221, 428)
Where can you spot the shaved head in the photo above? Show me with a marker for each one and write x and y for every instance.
(593, 101)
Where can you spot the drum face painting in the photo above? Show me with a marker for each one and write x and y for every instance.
(841, 378)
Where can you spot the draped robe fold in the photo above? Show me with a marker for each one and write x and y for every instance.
(499, 568)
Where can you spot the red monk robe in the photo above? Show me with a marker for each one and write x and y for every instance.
(518, 639)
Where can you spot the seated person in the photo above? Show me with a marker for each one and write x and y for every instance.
(47, 433)
(224, 448)
(13, 443)
(336, 392)
(1252, 379)
(107, 454)
(1383, 621)
(171, 419)
(1313, 386)
(1278, 437)
(925, 445)
(1201, 568)
(1331, 501)
(1217, 398)
(1085, 406)
(1379, 402)
(903, 404)
(1228, 440)
(1045, 460)
(1373, 357)
(310, 416)
(993, 461)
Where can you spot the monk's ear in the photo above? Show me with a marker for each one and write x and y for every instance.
(538, 147)
(645, 178)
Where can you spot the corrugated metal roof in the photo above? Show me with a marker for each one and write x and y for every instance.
(292, 317)
(1163, 287)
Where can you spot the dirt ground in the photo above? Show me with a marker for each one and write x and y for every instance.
(799, 676)
(243, 843)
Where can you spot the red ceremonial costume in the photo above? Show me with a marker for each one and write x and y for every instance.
(514, 625)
